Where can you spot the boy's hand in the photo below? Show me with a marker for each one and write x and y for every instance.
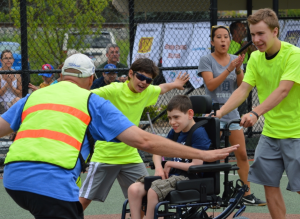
(167, 170)
(160, 172)
(181, 80)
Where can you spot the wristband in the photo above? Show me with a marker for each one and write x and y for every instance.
(238, 72)
(228, 70)
(255, 114)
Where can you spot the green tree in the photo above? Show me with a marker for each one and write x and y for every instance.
(49, 21)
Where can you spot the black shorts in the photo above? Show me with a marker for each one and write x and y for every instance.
(41, 206)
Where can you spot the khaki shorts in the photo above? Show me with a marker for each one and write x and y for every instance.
(164, 187)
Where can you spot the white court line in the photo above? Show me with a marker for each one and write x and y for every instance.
(231, 174)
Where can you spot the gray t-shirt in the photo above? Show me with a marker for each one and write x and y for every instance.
(222, 93)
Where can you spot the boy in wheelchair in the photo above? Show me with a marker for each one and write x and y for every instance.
(180, 115)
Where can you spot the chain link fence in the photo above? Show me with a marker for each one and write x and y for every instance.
(36, 36)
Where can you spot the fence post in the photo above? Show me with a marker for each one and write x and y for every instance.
(213, 15)
(249, 98)
(276, 7)
(131, 27)
(24, 47)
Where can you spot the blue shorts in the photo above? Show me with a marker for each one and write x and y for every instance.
(233, 126)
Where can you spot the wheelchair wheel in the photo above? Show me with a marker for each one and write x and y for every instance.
(191, 212)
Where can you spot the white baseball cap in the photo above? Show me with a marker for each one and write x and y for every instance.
(81, 63)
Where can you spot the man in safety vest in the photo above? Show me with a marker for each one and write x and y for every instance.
(57, 127)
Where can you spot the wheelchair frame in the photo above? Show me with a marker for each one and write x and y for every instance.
(232, 195)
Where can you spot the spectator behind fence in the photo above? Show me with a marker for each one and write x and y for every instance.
(10, 86)
(222, 74)
(113, 57)
(42, 165)
(47, 78)
(106, 78)
(238, 32)
(180, 114)
(113, 160)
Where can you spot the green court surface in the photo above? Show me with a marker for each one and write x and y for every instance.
(115, 199)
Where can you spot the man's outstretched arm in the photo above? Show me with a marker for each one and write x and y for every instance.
(155, 144)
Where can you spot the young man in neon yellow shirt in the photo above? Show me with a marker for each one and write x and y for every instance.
(113, 160)
(274, 70)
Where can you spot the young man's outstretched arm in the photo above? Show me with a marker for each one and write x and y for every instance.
(236, 99)
(272, 100)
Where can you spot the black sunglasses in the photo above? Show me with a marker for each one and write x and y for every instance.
(143, 77)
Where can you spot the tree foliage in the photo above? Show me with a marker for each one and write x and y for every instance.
(49, 21)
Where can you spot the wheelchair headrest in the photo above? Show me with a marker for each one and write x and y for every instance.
(201, 104)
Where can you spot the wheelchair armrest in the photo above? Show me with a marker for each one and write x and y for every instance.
(209, 168)
(151, 164)
(148, 181)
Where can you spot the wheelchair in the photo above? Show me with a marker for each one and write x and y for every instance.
(192, 198)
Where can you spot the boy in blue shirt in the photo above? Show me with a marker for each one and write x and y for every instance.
(180, 115)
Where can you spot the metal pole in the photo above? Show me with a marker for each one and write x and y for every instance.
(249, 12)
(131, 27)
(249, 98)
(24, 47)
(213, 15)
(276, 7)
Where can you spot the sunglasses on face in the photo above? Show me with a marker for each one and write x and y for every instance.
(143, 77)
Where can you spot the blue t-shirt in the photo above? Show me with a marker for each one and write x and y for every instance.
(53, 181)
(200, 140)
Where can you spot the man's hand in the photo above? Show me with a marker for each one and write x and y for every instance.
(248, 120)
(219, 154)
(160, 172)
(181, 80)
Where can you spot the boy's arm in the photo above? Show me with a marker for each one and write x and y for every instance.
(180, 165)
(178, 83)
(159, 170)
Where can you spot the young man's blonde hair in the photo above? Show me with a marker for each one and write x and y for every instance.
(267, 15)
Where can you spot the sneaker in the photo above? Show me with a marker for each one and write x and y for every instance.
(253, 201)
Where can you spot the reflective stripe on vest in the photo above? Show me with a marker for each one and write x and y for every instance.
(54, 123)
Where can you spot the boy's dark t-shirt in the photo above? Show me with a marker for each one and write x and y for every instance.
(200, 140)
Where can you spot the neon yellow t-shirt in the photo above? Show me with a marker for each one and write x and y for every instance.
(132, 106)
(234, 47)
(283, 121)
